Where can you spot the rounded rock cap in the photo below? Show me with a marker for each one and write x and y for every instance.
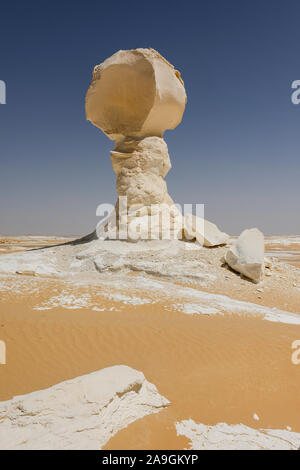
(135, 93)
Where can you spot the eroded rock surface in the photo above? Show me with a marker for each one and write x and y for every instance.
(236, 437)
(135, 95)
(82, 413)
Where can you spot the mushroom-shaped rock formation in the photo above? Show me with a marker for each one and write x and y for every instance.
(134, 97)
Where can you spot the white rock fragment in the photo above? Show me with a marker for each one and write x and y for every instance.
(246, 255)
(236, 437)
(268, 263)
(206, 233)
(82, 413)
(105, 262)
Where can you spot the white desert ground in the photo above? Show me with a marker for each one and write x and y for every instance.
(204, 354)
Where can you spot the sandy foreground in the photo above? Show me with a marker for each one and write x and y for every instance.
(216, 361)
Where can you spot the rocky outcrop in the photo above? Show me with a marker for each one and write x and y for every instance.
(82, 413)
(236, 437)
(134, 97)
(246, 255)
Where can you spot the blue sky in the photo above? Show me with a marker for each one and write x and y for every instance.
(236, 150)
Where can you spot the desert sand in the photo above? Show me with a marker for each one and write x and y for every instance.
(233, 367)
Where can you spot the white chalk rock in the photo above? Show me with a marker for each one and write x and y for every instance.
(135, 93)
(206, 233)
(40, 263)
(141, 166)
(236, 437)
(246, 255)
(82, 413)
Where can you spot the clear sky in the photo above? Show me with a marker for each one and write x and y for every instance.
(236, 150)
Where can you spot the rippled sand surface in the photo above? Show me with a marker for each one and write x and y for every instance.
(212, 368)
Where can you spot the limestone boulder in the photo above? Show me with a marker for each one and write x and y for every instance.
(206, 233)
(246, 255)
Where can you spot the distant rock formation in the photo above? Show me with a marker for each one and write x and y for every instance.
(82, 413)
